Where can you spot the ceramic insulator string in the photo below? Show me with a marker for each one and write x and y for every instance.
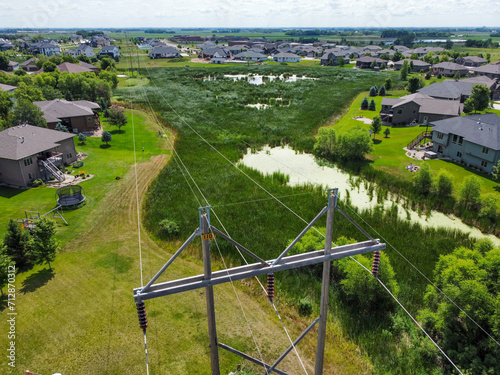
(270, 285)
(376, 263)
(141, 311)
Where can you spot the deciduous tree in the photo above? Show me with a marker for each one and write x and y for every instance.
(376, 126)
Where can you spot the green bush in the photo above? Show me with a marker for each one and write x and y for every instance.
(78, 164)
(305, 306)
(168, 228)
(36, 183)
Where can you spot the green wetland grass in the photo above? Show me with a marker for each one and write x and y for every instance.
(214, 127)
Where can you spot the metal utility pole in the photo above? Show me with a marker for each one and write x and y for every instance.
(209, 291)
(323, 313)
(261, 267)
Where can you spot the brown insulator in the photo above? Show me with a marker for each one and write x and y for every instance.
(270, 285)
(141, 311)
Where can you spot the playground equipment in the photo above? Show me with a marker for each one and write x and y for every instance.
(70, 196)
(31, 217)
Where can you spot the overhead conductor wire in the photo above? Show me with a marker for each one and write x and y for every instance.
(138, 204)
(272, 196)
(284, 205)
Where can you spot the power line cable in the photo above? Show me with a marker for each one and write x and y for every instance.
(424, 276)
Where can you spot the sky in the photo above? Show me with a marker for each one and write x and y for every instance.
(254, 13)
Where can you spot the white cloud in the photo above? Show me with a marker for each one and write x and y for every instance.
(258, 13)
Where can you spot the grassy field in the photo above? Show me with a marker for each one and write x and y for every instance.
(80, 318)
(216, 110)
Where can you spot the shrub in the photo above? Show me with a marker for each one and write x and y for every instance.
(78, 164)
(364, 103)
(36, 183)
(305, 306)
(168, 228)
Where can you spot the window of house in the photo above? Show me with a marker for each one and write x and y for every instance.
(455, 138)
(460, 141)
(69, 155)
(30, 176)
(28, 161)
(485, 150)
(459, 154)
(440, 135)
(400, 111)
(484, 164)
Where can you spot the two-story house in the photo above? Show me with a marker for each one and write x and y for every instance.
(29, 152)
(473, 140)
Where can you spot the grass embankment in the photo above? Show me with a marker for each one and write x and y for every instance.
(217, 110)
(81, 318)
(388, 154)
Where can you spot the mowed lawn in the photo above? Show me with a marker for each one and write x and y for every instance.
(388, 154)
(81, 318)
(105, 163)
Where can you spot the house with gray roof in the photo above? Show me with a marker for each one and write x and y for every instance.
(474, 61)
(82, 49)
(366, 62)
(491, 70)
(78, 116)
(111, 51)
(28, 152)
(418, 65)
(331, 58)
(29, 65)
(417, 108)
(286, 57)
(10, 89)
(250, 56)
(449, 69)
(164, 52)
(47, 48)
(473, 140)
(458, 89)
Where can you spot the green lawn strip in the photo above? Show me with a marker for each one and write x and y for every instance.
(104, 163)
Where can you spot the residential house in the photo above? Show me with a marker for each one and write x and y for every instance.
(418, 65)
(100, 40)
(29, 65)
(417, 108)
(209, 52)
(28, 152)
(449, 69)
(366, 62)
(163, 53)
(373, 50)
(332, 58)
(286, 57)
(422, 51)
(474, 61)
(13, 66)
(473, 140)
(458, 90)
(10, 89)
(491, 70)
(250, 56)
(78, 116)
(111, 51)
(82, 49)
(78, 68)
(47, 48)
(237, 48)
(6, 45)
(389, 52)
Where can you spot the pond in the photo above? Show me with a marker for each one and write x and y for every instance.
(259, 79)
(303, 169)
